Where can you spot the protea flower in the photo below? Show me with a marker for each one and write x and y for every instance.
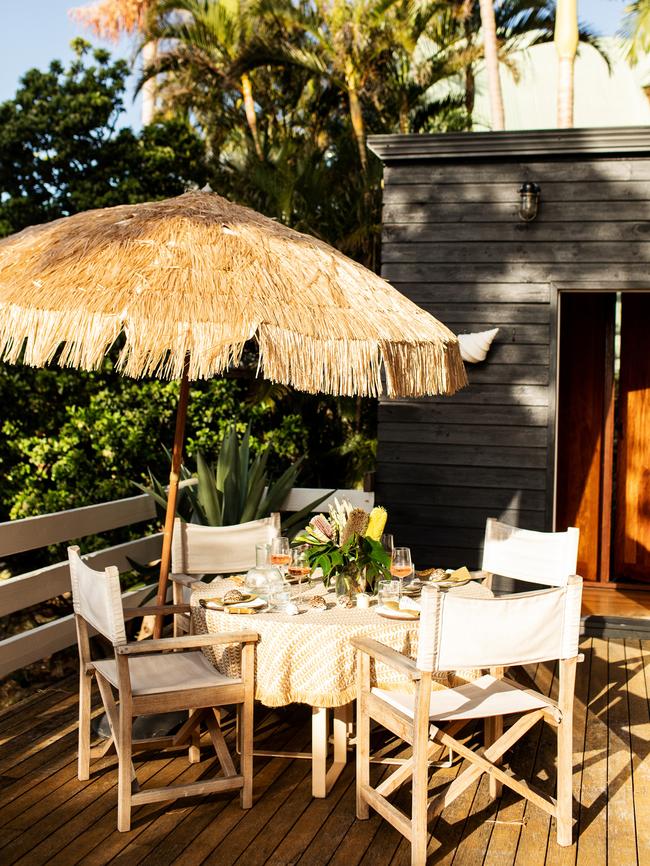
(321, 527)
(376, 523)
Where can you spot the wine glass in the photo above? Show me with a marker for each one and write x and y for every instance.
(400, 563)
(387, 542)
(280, 553)
(299, 566)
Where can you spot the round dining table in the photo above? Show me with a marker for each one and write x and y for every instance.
(309, 658)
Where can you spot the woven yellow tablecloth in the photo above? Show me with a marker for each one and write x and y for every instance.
(308, 658)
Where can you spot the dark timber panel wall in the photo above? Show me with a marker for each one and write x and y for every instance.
(454, 244)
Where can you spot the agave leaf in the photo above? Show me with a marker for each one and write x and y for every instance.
(251, 509)
(227, 457)
(277, 491)
(158, 499)
(197, 513)
(208, 494)
(299, 516)
(244, 469)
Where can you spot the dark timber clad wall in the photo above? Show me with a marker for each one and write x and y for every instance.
(453, 243)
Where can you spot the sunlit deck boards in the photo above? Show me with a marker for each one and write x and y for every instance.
(50, 817)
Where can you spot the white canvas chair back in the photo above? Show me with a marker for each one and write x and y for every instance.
(97, 597)
(458, 632)
(220, 549)
(536, 557)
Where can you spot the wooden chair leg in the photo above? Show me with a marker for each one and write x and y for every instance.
(194, 750)
(83, 764)
(363, 733)
(567, 674)
(493, 729)
(565, 782)
(124, 747)
(245, 714)
(245, 711)
(419, 796)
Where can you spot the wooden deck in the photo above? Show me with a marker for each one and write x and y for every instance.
(48, 816)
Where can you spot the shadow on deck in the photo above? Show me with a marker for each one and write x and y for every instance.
(48, 816)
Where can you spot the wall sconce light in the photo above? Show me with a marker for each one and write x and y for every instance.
(528, 201)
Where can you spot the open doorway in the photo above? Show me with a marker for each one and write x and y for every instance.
(603, 468)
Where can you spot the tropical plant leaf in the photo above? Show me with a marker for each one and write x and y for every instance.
(208, 493)
(299, 516)
(278, 491)
(244, 468)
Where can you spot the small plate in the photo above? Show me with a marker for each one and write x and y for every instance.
(448, 584)
(398, 613)
(250, 601)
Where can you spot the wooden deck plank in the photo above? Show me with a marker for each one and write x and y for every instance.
(50, 817)
(510, 815)
(592, 821)
(566, 856)
(195, 830)
(621, 834)
(637, 659)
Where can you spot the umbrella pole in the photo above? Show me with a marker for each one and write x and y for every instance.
(172, 494)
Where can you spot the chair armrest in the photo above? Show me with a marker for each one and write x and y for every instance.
(190, 641)
(185, 579)
(388, 656)
(150, 610)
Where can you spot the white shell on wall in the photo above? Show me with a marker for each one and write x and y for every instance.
(474, 347)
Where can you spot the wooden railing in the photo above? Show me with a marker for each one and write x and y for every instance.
(34, 587)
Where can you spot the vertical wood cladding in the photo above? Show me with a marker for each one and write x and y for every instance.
(454, 244)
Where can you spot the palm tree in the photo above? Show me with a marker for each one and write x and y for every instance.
(110, 19)
(520, 24)
(491, 54)
(341, 41)
(203, 41)
(566, 44)
(636, 28)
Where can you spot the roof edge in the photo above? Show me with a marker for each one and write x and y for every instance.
(507, 145)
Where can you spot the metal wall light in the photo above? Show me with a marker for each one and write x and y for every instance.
(528, 201)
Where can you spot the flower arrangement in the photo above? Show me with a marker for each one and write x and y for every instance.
(347, 546)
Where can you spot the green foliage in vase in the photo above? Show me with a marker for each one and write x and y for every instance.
(347, 547)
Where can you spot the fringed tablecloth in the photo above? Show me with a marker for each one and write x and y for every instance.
(308, 658)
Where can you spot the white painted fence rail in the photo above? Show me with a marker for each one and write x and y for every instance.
(24, 590)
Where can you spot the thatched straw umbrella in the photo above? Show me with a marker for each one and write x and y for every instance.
(188, 281)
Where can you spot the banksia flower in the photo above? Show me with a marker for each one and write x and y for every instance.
(376, 523)
(357, 523)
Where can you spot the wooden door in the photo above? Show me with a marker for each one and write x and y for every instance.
(632, 513)
(585, 424)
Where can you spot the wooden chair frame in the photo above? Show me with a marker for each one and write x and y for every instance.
(426, 737)
(201, 702)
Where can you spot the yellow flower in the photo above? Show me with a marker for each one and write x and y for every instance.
(376, 523)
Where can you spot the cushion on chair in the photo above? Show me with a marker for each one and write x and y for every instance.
(170, 672)
(482, 698)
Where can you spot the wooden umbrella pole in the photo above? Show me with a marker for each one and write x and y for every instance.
(172, 494)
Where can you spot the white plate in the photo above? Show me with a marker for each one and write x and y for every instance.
(391, 613)
(448, 584)
(212, 604)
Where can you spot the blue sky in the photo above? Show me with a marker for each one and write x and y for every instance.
(34, 32)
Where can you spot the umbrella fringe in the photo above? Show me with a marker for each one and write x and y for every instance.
(199, 276)
(336, 366)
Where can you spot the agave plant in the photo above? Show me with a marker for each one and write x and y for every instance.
(236, 489)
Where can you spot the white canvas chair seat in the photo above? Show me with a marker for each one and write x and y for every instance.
(172, 672)
(158, 676)
(471, 633)
(480, 699)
